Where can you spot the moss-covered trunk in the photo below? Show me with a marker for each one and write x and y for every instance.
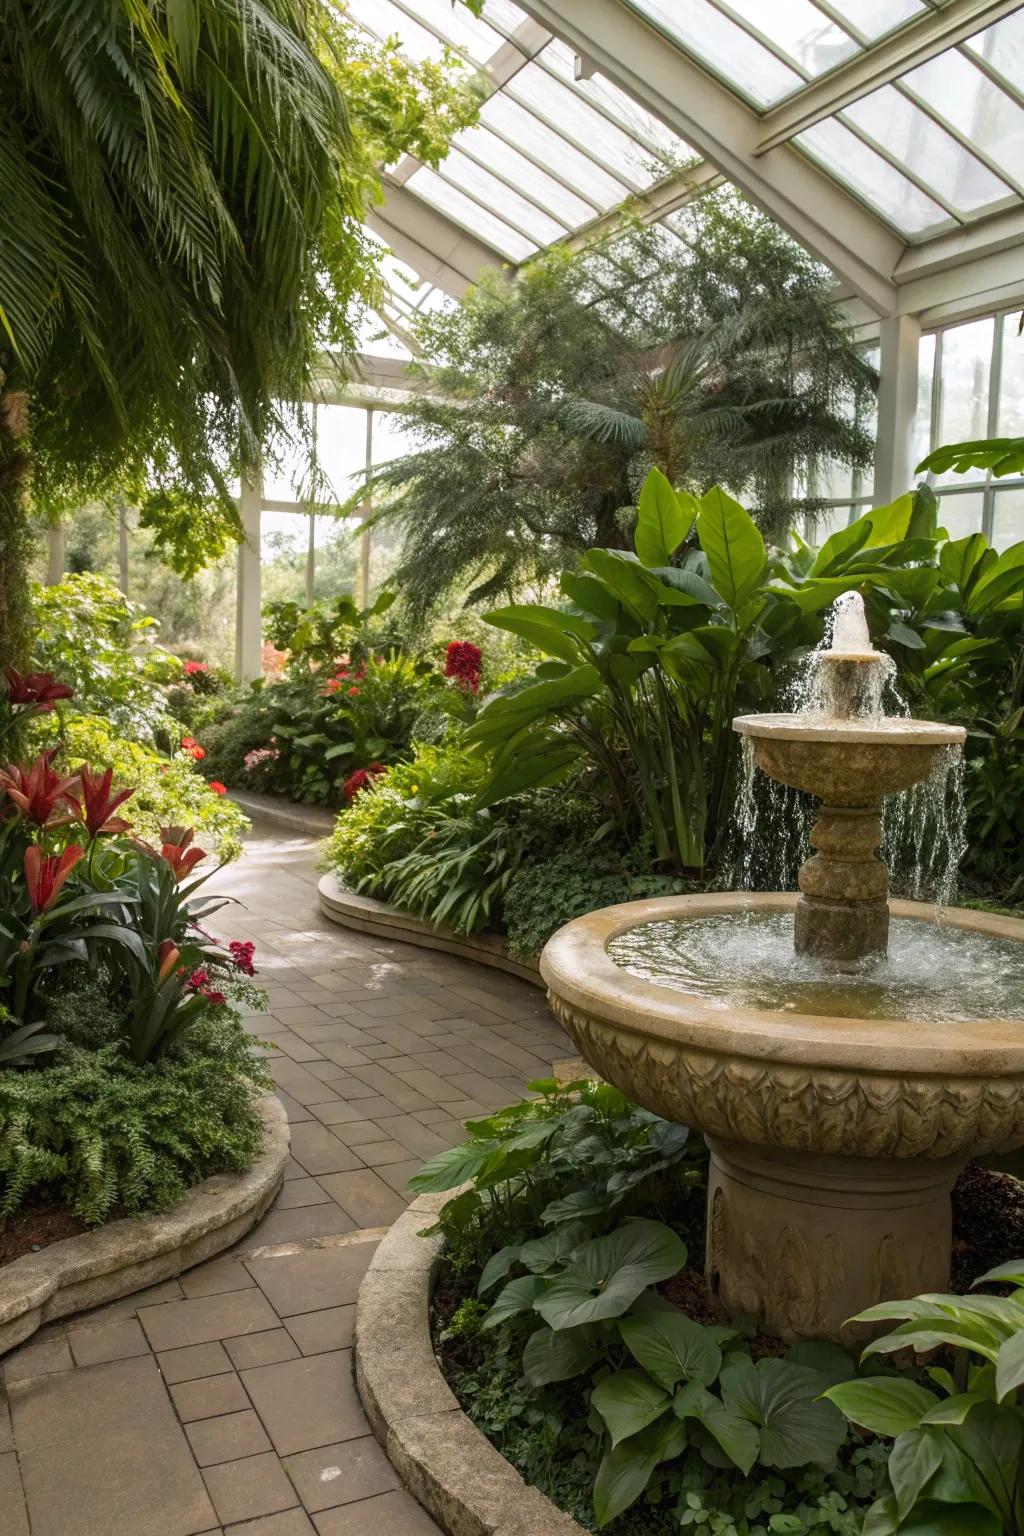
(15, 530)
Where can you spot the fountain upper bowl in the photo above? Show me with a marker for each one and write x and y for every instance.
(847, 762)
(851, 1087)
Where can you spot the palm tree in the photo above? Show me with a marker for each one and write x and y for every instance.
(168, 178)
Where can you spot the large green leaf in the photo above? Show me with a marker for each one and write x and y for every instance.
(450, 1169)
(509, 713)
(781, 1401)
(682, 588)
(551, 1356)
(840, 546)
(497, 1267)
(591, 595)
(913, 1462)
(607, 1274)
(628, 1401)
(671, 1347)
(627, 1468)
(959, 559)
(732, 1431)
(625, 579)
(1010, 1365)
(518, 1296)
(547, 629)
(886, 1405)
(1002, 580)
(732, 542)
(664, 518)
(931, 1519)
(890, 524)
(545, 1253)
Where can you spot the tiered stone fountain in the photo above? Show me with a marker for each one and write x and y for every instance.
(841, 1088)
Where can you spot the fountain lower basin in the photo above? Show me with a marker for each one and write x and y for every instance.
(834, 1140)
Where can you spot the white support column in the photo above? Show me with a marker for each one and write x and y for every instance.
(248, 605)
(54, 554)
(900, 339)
(363, 578)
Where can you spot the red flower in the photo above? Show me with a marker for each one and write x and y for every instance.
(179, 855)
(242, 954)
(217, 787)
(45, 876)
(198, 980)
(463, 662)
(360, 779)
(353, 690)
(188, 741)
(197, 752)
(38, 791)
(216, 998)
(179, 836)
(35, 688)
(98, 805)
(190, 668)
(168, 956)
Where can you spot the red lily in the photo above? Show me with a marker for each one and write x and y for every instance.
(38, 791)
(179, 836)
(36, 688)
(45, 876)
(98, 804)
(182, 860)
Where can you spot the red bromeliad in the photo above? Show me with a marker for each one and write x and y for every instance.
(463, 663)
(37, 689)
(97, 806)
(45, 875)
(39, 793)
(167, 956)
(182, 860)
(242, 954)
(361, 779)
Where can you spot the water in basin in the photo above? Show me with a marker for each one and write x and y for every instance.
(934, 973)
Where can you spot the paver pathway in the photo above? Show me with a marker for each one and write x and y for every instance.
(225, 1401)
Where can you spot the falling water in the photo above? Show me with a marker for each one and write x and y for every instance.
(923, 837)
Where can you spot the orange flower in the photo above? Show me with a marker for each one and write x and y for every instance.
(168, 955)
(182, 859)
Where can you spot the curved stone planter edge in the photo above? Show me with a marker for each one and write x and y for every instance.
(368, 915)
(442, 1458)
(130, 1254)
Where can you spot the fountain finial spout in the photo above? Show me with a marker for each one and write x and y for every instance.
(849, 674)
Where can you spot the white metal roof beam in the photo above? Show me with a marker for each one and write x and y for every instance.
(915, 43)
(663, 198)
(859, 247)
(433, 245)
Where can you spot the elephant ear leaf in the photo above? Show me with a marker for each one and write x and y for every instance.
(732, 542)
(782, 1402)
(664, 518)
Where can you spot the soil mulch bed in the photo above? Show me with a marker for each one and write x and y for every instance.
(37, 1228)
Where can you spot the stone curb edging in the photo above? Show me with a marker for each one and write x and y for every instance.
(308, 820)
(128, 1255)
(442, 1458)
(368, 915)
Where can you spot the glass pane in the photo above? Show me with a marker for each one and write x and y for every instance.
(494, 194)
(503, 15)
(515, 123)
(1008, 517)
(1002, 46)
(441, 194)
(874, 179)
(341, 448)
(987, 116)
(1011, 391)
(386, 20)
(827, 522)
(874, 18)
(833, 482)
(966, 365)
(650, 130)
(286, 470)
(803, 32)
(458, 26)
(535, 184)
(569, 114)
(284, 546)
(923, 415)
(933, 155)
(961, 515)
(743, 63)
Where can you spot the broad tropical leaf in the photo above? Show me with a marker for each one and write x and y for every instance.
(781, 1401)
(664, 518)
(733, 544)
(606, 1275)
(671, 1347)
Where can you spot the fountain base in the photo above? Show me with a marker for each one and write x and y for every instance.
(802, 1243)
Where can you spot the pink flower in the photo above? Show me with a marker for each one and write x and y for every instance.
(242, 954)
(190, 668)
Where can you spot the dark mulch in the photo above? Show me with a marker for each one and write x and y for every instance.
(37, 1228)
(688, 1291)
(988, 1223)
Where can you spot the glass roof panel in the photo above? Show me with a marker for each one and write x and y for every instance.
(881, 186)
(448, 199)
(457, 25)
(745, 64)
(514, 122)
(384, 19)
(875, 18)
(501, 198)
(504, 15)
(806, 35)
(574, 117)
(642, 125)
(967, 98)
(928, 152)
(1002, 46)
(534, 183)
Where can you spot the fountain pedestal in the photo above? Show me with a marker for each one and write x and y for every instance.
(842, 914)
(799, 1242)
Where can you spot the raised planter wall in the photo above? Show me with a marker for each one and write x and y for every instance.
(125, 1256)
(368, 915)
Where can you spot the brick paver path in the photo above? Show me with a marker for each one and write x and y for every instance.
(225, 1401)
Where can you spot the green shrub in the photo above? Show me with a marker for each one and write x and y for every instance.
(90, 636)
(542, 896)
(168, 791)
(102, 1135)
